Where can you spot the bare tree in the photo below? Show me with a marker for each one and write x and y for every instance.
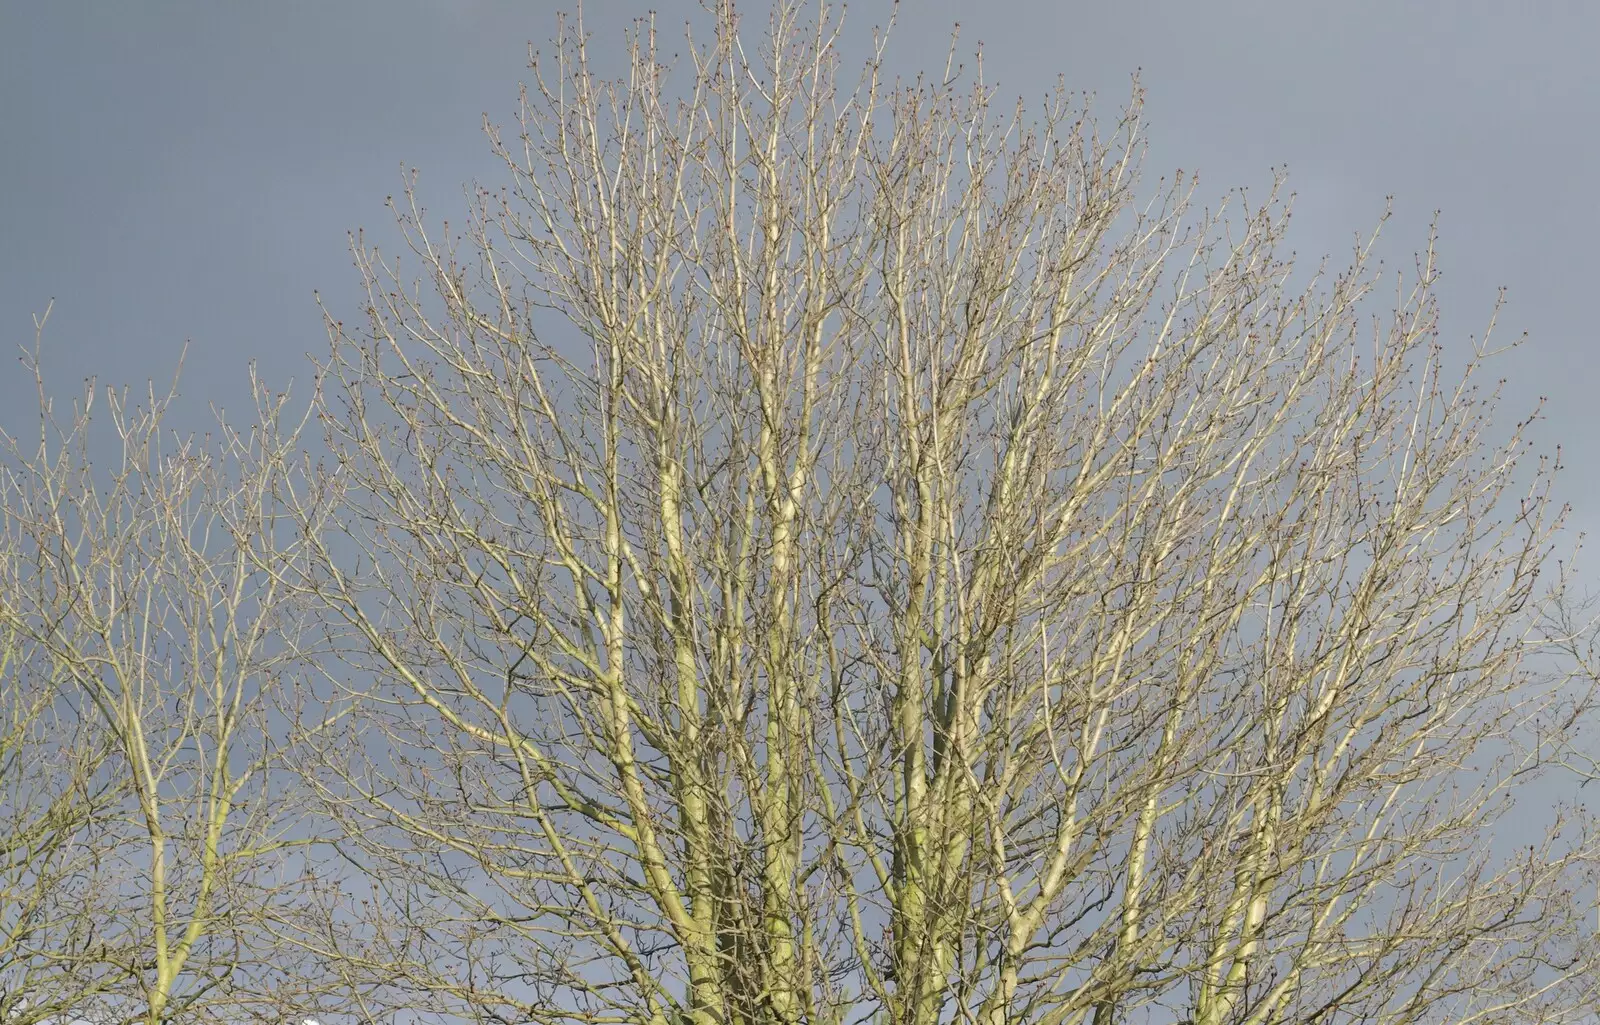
(146, 619)
(826, 552)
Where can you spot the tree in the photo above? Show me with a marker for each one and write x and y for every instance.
(813, 552)
(148, 649)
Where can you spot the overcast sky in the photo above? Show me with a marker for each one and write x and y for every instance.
(175, 172)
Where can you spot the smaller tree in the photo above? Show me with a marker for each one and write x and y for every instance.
(144, 590)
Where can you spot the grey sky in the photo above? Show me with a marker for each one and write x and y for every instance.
(173, 171)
